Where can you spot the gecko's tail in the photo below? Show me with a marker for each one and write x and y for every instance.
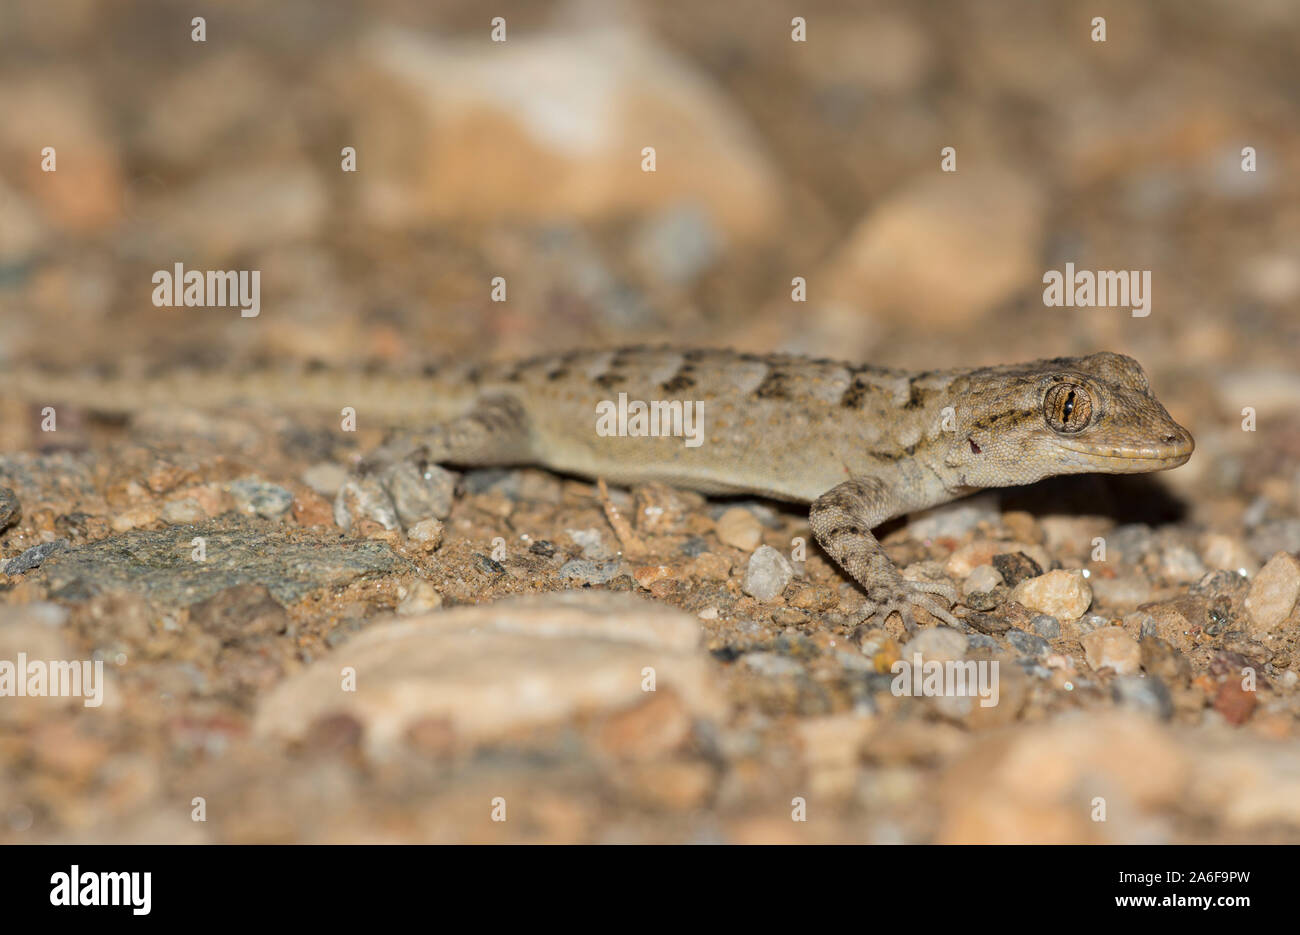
(392, 397)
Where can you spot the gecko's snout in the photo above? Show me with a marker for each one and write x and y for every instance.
(1180, 443)
(1170, 448)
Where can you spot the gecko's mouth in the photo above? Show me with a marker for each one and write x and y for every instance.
(1141, 459)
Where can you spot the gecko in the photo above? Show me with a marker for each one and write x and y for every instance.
(860, 445)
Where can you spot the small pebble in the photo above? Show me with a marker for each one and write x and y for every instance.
(1148, 695)
(1046, 626)
(33, 557)
(255, 496)
(1023, 526)
(592, 544)
(1162, 660)
(1274, 593)
(1092, 622)
(1015, 567)
(1033, 668)
(488, 564)
(1129, 543)
(1111, 647)
(1063, 594)
(986, 600)
(646, 575)
(1233, 702)
(711, 566)
(182, 511)
(980, 641)
(1028, 644)
(420, 598)
(983, 579)
(739, 528)
(589, 572)
(941, 643)
(1227, 553)
(768, 574)
(426, 534)
(1180, 564)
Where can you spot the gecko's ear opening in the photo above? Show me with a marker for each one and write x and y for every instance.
(1117, 368)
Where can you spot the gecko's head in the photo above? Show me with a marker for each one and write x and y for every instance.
(1071, 415)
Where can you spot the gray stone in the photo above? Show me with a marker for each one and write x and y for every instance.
(1046, 626)
(1035, 647)
(268, 501)
(1147, 694)
(980, 641)
(158, 564)
(34, 556)
(589, 572)
(1129, 543)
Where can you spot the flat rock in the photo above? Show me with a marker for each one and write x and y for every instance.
(158, 564)
(487, 671)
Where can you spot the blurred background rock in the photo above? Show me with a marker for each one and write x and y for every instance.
(775, 159)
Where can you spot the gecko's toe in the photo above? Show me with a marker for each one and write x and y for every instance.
(904, 600)
(941, 588)
(939, 613)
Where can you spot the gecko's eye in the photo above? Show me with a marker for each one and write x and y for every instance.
(1068, 408)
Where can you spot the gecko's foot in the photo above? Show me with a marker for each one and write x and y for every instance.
(903, 596)
(396, 492)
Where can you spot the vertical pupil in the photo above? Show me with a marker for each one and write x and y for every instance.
(1068, 408)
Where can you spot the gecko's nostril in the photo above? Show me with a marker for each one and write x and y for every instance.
(1171, 438)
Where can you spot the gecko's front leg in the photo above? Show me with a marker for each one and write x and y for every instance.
(842, 520)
